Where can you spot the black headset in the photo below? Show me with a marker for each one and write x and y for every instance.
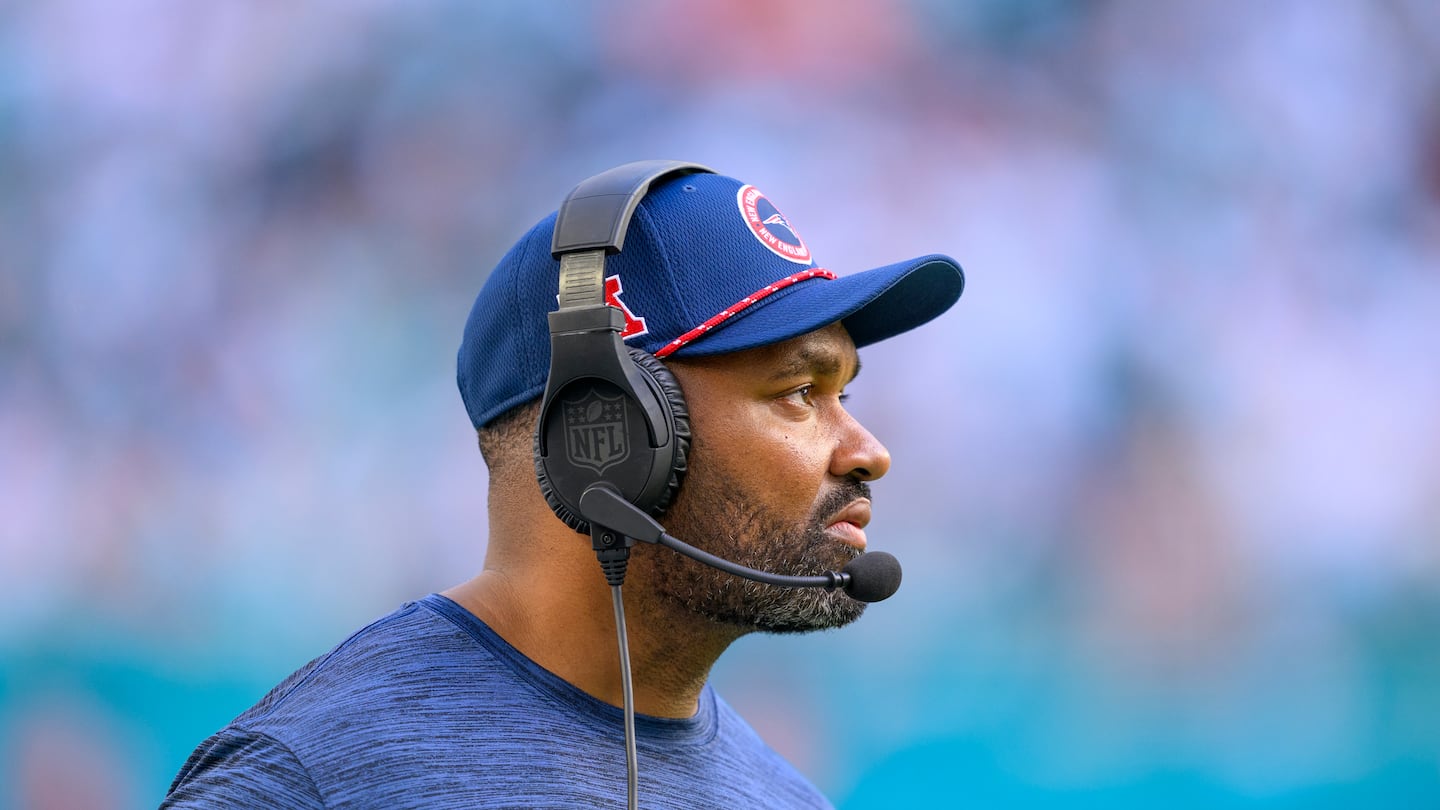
(611, 414)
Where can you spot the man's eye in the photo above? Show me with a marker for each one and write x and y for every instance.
(801, 395)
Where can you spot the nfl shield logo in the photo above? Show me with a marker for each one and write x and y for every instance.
(595, 431)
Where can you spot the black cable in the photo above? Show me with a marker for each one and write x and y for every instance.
(632, 764)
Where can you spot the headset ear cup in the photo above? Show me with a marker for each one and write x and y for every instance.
(662, 385)
(669, 389)
(547, 489)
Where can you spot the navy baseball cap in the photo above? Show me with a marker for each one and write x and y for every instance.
(710, 266)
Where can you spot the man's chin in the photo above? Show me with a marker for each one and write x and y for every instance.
(781, 611)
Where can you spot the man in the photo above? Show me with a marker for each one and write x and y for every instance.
(504, 690)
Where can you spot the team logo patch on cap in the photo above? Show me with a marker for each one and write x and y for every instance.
(770, 226)
(634, 324)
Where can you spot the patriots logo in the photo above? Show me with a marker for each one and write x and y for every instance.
(770, 226)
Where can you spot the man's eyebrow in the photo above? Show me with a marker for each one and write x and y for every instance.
(811, 361)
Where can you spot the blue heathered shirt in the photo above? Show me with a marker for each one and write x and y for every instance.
(428, 707)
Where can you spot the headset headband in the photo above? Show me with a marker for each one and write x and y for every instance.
(593, 220)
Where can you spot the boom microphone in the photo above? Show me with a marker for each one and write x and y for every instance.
(874, 576)
(870, 577)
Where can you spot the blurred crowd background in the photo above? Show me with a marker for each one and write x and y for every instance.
(1166, 480)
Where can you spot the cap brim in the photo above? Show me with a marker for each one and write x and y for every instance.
(873, 305)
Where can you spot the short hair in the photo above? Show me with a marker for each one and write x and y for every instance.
(509, 439)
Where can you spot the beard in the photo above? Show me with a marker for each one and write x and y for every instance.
(713, 510)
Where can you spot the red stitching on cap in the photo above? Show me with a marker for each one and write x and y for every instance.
(693, 334)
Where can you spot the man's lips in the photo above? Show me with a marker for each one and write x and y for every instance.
(848, 525)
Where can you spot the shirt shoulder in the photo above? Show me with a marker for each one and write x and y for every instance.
(378, 697)
(379, 664)
(240, 769)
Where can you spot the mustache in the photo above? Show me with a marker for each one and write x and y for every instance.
(849, 490)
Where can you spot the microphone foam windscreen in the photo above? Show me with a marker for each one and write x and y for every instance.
(874, 575)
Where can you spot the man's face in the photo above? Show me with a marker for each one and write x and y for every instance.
(777, 481)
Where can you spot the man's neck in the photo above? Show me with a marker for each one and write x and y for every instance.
(563, 619)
